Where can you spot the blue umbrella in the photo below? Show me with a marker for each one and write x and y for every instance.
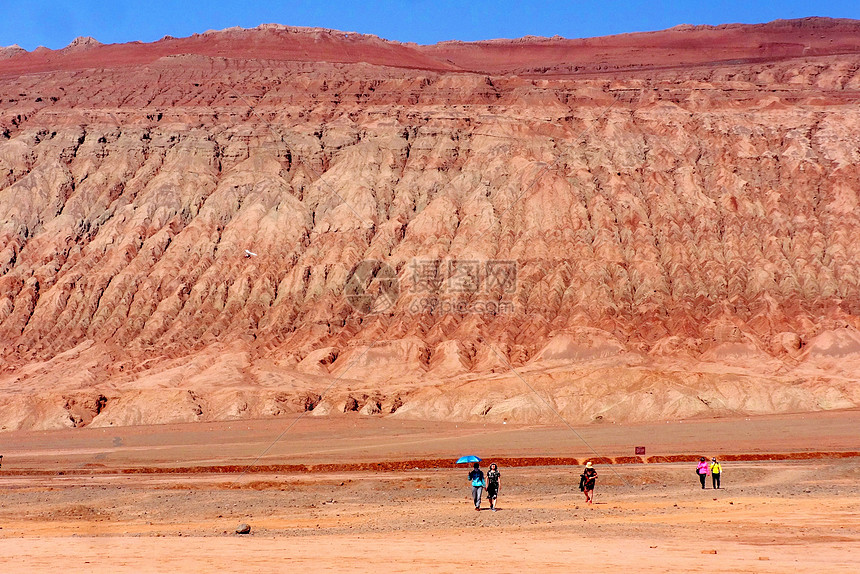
(468, 458)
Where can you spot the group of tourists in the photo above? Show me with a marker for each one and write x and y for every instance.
(492, 484)
(587, 480)
(705, 468)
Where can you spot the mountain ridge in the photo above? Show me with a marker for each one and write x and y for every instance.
(760, 41)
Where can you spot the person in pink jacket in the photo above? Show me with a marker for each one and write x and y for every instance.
(703, 470)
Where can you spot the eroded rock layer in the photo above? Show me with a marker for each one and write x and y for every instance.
(655, 239)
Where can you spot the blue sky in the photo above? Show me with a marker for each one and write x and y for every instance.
(55, 23)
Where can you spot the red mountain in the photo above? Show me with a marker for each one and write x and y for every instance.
(637, 227)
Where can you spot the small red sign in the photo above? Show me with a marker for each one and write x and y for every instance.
(640, 450)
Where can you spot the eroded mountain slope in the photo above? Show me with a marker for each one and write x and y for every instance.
(672, 242)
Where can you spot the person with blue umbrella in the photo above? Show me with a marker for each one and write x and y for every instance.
(476, 479)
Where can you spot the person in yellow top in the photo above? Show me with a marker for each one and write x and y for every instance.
(716, 469)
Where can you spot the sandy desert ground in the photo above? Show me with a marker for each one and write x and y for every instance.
(157, 498)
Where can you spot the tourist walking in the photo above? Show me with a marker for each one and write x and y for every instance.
(476, 479)
(716, 469)
(586, 482)
(493, 483)
(703, 469)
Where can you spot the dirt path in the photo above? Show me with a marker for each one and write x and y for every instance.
(448, 552)
(358, 439)
(771, 516)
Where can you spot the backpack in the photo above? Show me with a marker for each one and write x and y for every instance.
(477, 477)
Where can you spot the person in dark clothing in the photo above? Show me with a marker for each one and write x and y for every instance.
(476, 479)
(493, 483)
(586, 482)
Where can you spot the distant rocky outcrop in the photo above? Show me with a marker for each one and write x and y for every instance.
(82, 43)
(9, 51)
